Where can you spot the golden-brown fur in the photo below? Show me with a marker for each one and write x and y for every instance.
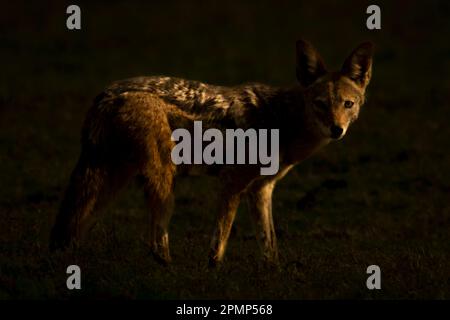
(127, 133)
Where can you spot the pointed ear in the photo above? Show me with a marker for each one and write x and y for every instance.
(358, 66)
(310, 65)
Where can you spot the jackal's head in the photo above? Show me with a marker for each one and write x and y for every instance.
(333, 99)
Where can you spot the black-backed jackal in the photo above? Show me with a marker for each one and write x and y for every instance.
(127, 133)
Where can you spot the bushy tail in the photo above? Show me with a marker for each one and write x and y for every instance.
(86, 185)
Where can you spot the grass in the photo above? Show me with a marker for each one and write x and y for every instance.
(378, 197)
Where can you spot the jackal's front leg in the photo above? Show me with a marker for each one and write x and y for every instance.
(260, 206)
(227, 211)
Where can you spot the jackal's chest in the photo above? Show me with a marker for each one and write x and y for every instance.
(298, 151)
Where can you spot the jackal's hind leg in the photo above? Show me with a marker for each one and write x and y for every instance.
(260, 207)
(161, 211)
(160, 201)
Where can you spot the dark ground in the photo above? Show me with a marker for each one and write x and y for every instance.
(380, 196)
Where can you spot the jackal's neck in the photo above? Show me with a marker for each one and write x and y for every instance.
(299, 137)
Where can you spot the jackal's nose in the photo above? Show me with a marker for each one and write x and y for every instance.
(336, 132)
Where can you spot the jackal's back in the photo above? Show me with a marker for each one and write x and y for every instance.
(221, 105)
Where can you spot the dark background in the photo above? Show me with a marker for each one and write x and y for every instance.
(380, 196)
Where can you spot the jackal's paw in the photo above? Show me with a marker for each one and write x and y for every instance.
(163, 260)
(214, 262)
(272, 265)
(60, 241)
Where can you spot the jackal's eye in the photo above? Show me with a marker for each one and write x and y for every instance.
(320, 104)
(348, 104)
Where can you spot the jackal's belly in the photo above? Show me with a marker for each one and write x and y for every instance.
(199, 170)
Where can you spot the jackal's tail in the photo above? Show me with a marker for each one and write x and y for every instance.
(86, 186)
